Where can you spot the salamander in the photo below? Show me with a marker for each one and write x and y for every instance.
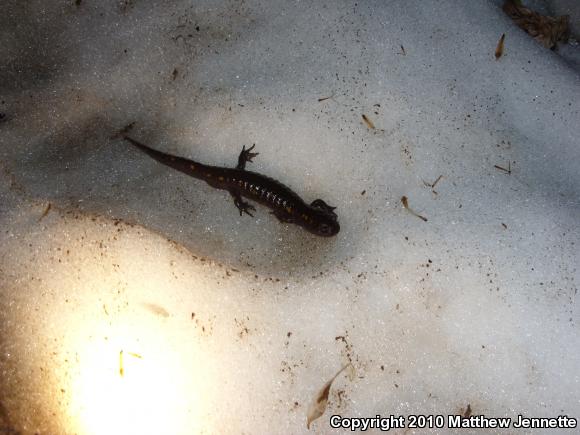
(318, 217)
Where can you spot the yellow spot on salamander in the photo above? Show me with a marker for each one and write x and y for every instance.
(305, 217)
(221, 178)
(208, 175)
(289, 209)
(192, 167)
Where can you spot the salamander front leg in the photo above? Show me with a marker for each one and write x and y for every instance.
(283, 217)
(243, 206)
(321, 205)
(246, 156)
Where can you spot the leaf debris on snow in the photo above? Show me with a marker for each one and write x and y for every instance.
(46, 210)
(405, 202)
(156, 309)
(499, 48)
(368, 122)
(507, 171)
(432, 185)
(547, 30)
(318, 406)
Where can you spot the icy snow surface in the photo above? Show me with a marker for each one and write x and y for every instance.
(135, 299)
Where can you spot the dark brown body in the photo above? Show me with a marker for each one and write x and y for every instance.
(286, 205)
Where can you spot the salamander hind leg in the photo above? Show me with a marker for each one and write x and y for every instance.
(246, 156)
(242, 206)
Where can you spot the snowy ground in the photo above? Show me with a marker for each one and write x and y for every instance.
(136, 300)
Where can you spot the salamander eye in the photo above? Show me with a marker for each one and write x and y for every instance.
(328, 228)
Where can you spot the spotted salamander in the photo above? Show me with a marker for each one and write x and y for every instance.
(318, 218)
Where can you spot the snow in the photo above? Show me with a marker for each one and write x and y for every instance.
(228, 324)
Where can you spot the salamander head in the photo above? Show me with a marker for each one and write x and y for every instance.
(323, 220)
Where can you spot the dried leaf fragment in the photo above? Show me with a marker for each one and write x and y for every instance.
(368, 122)
(121, 365)
(507, 171)
(545, 29)
(499, 48)
(432, 185)
(436, 181)
(135, 355)
(46, 210)
(317, 408)
(156, 309)
(405, 203)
